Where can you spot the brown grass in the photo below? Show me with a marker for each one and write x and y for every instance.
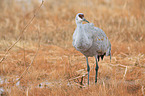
(57, 61)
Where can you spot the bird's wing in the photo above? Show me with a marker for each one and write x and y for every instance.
(101, 41)
(98, 36)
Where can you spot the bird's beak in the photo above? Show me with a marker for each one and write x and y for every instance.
(85, 20)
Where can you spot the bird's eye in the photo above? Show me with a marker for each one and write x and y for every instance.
(81, 16)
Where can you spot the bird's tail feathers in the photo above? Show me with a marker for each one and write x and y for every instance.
(108, 53)
(110, 56)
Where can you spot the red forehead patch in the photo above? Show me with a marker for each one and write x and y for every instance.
(81, 16)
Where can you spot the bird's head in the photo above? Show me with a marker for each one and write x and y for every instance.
(80, 18)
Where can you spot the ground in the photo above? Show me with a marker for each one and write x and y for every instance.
(58, 69)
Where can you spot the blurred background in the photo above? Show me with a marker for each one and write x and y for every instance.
(123, 21)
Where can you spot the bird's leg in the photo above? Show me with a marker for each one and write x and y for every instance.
(97, 67)
(88, 68)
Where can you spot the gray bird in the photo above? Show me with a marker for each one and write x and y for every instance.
(90, 41)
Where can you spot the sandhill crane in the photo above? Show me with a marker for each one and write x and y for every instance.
(90, 41)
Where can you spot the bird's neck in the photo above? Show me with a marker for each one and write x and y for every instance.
(80, 28)
(79, 24)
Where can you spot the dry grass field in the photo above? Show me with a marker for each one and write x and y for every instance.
(58, 68)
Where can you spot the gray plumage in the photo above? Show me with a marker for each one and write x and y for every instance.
(90, 41)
